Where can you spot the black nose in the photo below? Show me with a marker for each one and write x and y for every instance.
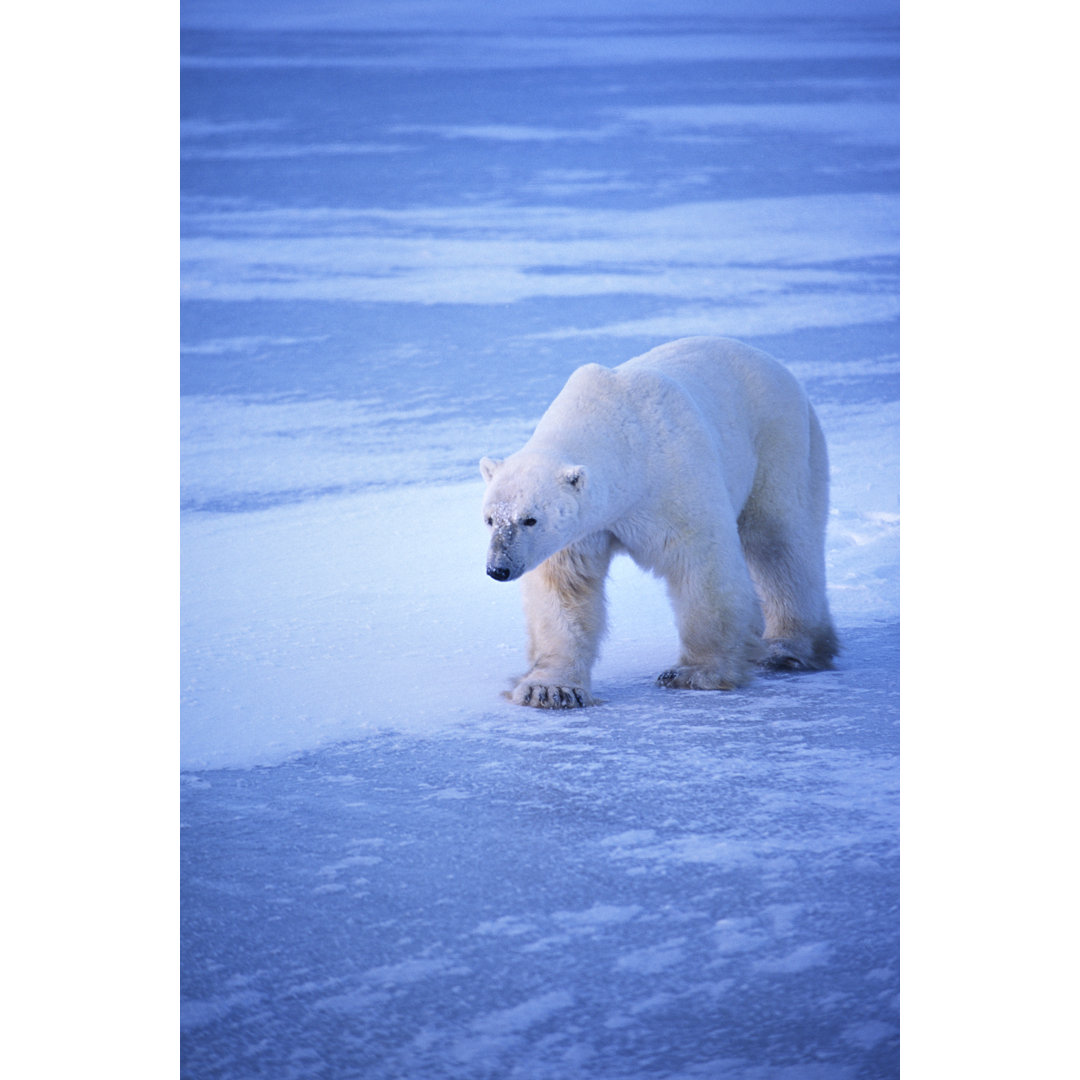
(499, 573)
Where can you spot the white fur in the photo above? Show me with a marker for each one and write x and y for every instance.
(704, 461)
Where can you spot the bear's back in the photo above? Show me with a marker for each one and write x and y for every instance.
(728, 381)
(715, 360)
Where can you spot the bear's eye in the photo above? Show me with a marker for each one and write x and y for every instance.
(530, 521)
(487, 521)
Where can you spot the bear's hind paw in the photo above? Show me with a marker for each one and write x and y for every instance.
(544, 696)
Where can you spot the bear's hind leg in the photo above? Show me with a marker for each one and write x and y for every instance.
(782, 531)
(789, 575)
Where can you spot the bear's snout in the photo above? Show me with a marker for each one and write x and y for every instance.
(502, 564)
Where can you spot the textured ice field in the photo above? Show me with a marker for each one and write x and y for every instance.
(398, 241)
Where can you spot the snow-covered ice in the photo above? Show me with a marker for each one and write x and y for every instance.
(402, 230)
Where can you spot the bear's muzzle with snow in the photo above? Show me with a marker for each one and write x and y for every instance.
(705, 462)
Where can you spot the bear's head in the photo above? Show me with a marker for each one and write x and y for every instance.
(533, 507)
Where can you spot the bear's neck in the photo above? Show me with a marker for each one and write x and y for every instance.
(611, 488)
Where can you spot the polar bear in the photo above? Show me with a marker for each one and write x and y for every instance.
(705, 462)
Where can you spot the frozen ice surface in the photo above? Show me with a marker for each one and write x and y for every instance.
(678, 887)
(403, 227)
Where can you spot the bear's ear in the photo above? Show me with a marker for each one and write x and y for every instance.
(574, 476)
(488, 468)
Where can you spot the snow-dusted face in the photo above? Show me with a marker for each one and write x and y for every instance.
(533, 509)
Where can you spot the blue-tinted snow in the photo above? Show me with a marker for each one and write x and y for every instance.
(400, 235)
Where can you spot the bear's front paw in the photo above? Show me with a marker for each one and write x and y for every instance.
(801, 654)
(696, 678)
(544, 696)
(781, 659)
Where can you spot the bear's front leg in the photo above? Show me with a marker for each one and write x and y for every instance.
(719, 620)
(565, 614)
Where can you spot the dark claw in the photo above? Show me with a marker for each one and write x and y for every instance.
(554, 697)
(784, 663)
